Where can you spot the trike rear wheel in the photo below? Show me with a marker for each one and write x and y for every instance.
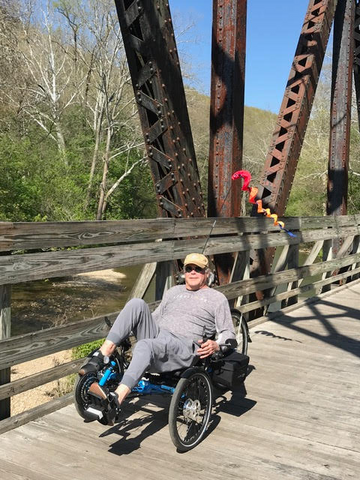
(190, 411)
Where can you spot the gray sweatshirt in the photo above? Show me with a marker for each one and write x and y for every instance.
(184, 313)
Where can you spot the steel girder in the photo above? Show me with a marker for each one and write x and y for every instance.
(281, 161)
(226, 114)
(156, 77)
(340, 119)
(227, 105)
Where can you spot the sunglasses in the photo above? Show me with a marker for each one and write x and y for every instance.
(197, 269)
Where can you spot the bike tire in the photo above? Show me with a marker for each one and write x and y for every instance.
(190, 411)
(241, 330)
(81, 397)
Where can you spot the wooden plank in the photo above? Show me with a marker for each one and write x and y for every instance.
(23, 348)
(316, 286)
(37, 379)
(30, 236)
(264, 282)
(34, 413)
(143, 281)
(21, 268)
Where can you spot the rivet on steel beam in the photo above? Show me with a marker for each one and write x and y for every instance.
(182, 165)
(166, 100)
(192, 214)
(183, 192)
(186, 205)
(187, 190)
(179, 169)
(184, 149)
(176, 154)
(163, 85)
(161, 204)
(178, 139)
(189, 175)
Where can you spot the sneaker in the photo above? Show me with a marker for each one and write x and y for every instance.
(96, 363)
(109, 403)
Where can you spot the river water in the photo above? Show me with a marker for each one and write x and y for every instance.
(47, 303)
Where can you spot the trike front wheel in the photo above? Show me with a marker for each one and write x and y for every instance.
(190, 411)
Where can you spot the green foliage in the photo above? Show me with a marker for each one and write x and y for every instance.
(84, 350)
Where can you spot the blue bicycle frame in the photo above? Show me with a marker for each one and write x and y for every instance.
(144, 387)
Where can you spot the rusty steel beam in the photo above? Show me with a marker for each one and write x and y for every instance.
(357, 57)
(226, 114)
(340, 119)
(152, 55)
(281, 161)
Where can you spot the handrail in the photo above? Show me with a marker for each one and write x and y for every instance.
(26, 257)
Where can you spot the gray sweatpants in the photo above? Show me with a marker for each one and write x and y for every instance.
(156, 350)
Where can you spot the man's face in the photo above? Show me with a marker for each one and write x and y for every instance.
(195, 277)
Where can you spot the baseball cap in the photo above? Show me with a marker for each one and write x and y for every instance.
(196, 259)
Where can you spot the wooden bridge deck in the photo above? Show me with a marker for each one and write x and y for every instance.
(300, 418)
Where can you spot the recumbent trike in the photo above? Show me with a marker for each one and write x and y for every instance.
(191, 388)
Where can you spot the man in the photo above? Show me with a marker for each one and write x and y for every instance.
(171, 337)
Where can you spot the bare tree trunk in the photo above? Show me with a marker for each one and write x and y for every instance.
(100, 210)
(98, 131)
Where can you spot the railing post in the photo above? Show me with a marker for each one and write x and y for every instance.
(5, 329)
(356, 249)
(293, 262)
(327, 255)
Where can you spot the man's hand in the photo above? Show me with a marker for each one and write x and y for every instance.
(207, 348)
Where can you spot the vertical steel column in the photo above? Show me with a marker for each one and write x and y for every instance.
(227, 113)
(281, 161)
(151, 51)
(340, 119)
(357, 56)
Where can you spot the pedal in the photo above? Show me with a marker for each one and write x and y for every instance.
(98, 414)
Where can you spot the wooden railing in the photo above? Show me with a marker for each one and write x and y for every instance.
(33, 251)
